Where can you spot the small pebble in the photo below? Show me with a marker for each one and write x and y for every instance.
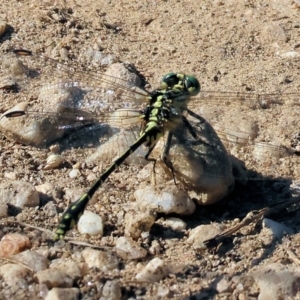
(155, 248)
(13, 243)
(111, 290)
(291, 54)
(91, 177)
(54, 278)
(63, 294)
(71, 268)
(154, 271)
(54, 148)
(44, 188)
(74, 173)
(119, 70)
(127, 248)
(204, 232)
(16, 276)
(19, 193)
(32, 259)
(64, 53)
(277, 229)
(50, 209)
(170, 200)
(53, 162)
(73, 194)
(100, 259)
(163, 292)
(91, 224)
(138, 222)
(175, 223)
(277, 281)
(10, 175)
(223, 284)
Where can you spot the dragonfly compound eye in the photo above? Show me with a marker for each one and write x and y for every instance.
(192, 85)
(169, 80)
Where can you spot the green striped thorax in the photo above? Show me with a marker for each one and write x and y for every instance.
(167, 104)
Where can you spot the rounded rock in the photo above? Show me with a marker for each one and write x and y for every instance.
(91, 224)
(127, 248)
(138, 222)
(53, 162)
(170, 200)
(111, 290)
(100, 259)
(154, 271)
(19, 193)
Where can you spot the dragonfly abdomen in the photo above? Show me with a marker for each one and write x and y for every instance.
(75, 210)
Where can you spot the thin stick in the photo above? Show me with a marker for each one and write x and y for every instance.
(252, 217)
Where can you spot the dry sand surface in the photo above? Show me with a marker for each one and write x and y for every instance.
(230, 46)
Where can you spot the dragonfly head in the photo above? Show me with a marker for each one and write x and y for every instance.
(183, 82)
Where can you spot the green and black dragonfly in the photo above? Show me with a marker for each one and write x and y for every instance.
(79, 97)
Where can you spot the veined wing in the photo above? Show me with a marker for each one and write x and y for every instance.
(31, 71)
(59, 98)
(247, 99)
(256, 128)
(40, 128)
(82, 97)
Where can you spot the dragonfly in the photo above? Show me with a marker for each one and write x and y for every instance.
(177, 111)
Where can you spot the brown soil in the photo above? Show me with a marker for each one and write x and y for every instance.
(232, 46)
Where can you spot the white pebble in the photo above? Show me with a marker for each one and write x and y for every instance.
(276, 281)
(204, 232)
(91, 224)
(44, 188)
(54, 148)
(175, 223)
(74, 173)
(290, 54)
(278, 230)
(170, 200)
(154, 271)
(10, 175)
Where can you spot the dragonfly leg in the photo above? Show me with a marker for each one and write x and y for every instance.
(165, 157)
(151, 159)
(190, 127)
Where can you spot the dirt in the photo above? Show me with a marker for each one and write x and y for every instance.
(230, 46)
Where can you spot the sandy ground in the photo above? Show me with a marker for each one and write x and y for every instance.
(230, 46)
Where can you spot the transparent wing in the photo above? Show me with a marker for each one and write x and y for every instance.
(60, 98)
(201, 161)
(256, 128)
(247, 99)
(30, 71)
